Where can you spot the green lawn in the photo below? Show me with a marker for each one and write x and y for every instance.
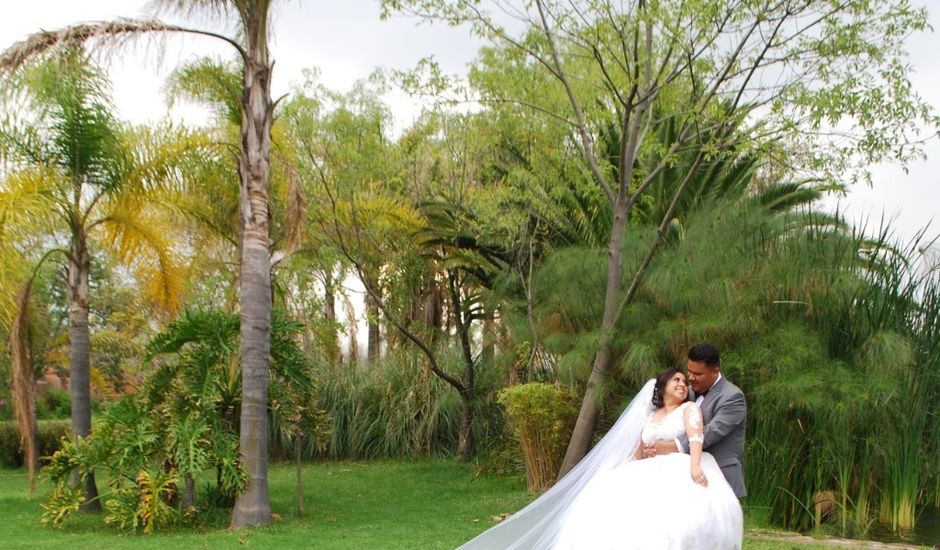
(388, 504)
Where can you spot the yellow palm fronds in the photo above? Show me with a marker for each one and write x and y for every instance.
(28, 201)
(144, 240)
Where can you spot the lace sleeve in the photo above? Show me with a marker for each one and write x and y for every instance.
(693, 423)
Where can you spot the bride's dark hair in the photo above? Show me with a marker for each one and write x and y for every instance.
(661, 380)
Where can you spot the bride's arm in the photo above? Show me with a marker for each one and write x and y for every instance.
(696, 432)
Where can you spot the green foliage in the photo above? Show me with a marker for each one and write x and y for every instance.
(829, 332)
(542, 416)
(190, 439)
(211, 82)
(53, 404)
(401, 409)
(63, 502)
(156, 488)
(50, 434)
(182, 422)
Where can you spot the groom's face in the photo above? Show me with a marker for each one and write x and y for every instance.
(701, 376)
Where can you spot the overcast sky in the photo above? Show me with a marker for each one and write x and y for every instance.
(347, 41)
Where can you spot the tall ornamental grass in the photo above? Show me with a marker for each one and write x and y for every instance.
(397, 408)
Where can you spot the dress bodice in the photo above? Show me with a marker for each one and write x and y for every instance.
(668, 428)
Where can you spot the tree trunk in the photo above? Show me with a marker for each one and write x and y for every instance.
(79, 356)
(329, 312)
(298, 448)
(329, 296)
(372, 318)
(252, 507)
(352, 330)
(466, 444)
(433, 309)
(189, 491)
(590, 404)
(488, 353)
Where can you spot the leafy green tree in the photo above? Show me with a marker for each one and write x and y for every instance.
(728, 72)
(373, 217)
(352, 159)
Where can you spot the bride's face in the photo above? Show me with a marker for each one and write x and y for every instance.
(676, 388)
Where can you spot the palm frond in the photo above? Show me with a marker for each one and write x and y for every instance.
(104, 34)
(47, 43)
(24, 390)
(28, 202)
(787, 196)
(165, 158)
(143, 240)
(212, 82)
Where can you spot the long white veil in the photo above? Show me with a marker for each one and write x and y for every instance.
(537, 525)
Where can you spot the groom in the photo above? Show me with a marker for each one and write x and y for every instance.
(724, 412)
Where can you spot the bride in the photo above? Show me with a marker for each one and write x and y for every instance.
(614, 498)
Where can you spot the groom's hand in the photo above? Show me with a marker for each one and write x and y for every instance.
(661, 447)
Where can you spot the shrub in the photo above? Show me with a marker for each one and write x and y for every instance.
(53, 403)
(50, 435)
(542, 417)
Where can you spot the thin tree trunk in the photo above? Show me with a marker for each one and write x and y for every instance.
(252, 507)
(465, 388)
(352, 324)
(488, 353)
(466, 444)
(298, 447)
(189, 491)
(590, 404)
(372, 318)
(526, 280)
(631, 129)
(329, 296)
(613, 304)
(329, 312)
(433, 309)
(79, 356)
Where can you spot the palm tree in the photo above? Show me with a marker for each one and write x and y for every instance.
(252, 506)
(87, 176)
(210, 203)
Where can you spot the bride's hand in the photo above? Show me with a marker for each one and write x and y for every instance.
(698, 476)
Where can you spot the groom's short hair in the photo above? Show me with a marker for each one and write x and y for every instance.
(707, 353)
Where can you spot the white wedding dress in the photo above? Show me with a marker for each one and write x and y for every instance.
(610, 501)
(653, 503)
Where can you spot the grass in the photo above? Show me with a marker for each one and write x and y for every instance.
(422, 504)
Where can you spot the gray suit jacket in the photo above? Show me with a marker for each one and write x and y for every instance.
(724, 412)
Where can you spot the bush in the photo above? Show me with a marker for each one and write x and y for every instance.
(53, 403)
(542, 416)
(51, 433)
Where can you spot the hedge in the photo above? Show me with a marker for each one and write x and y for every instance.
(50, 432)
